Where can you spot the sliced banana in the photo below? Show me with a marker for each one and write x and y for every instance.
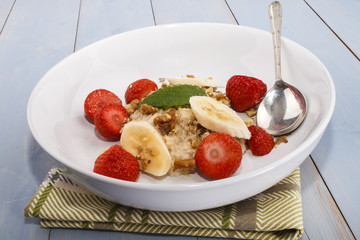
(143, 141)
(218, 117)
(207, 82)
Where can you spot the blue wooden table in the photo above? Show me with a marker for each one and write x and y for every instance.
(36, 34)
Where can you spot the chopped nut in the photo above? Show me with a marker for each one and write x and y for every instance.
(190, 76)
(280, 140)
(185, 166)
(209, 90)
(162, 80)
(143, 163)
(164, 85)
(195, 143)
(251, 112)
(147, 109)
(132, 106)
(219, 96)
(144, 156)
(249, 122)
(166, 122)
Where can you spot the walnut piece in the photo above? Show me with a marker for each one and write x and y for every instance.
(132, 106)
(209, 90)
(251, 112)
(219, 96)
(249, 122)
(147, 109)
(195, 143)
(164, 85)
(166, 122)
(185, 166)
(280, 140)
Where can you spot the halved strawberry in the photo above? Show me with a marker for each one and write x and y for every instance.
(139, 89)
(98, 99)
(116, 162)
(109, 121)
(261, 142)
(218, 155)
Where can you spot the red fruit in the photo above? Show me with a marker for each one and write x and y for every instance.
(98, 99)
(218, 155)
(116, 162)
(245, 92)
(139, 89)
(109, 121)
(261, 142)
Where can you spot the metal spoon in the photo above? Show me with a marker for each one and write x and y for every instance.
(284, 107)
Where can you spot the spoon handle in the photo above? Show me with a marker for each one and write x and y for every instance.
(275, 14)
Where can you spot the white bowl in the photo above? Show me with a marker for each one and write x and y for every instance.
(56, 115)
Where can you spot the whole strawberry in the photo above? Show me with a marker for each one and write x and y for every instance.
(98, 99)
(260, 143)
(116, 162)
(218, 156)
(245, 92)
(139, 89)
(109, 121)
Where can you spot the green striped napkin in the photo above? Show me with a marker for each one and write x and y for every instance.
(273, 214)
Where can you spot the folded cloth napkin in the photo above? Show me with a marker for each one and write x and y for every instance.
(273, 214)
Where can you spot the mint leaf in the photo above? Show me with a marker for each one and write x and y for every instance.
(173, 96)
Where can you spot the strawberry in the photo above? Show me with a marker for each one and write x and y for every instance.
(139, 89)
(116, 162)
(218, 155)
(260, 142)
(109, 121)
(97, 99)
(245, 92)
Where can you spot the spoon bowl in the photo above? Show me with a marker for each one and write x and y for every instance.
(284, 107)
(282, 110)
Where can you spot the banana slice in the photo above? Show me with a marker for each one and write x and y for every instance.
(207, 82)
(143, 141)
(218, 117)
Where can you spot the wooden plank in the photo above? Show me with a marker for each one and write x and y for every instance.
(337, 154)
(173, 11)
(342, 18)
(319, 207)
(37, 35)
(100, 19)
